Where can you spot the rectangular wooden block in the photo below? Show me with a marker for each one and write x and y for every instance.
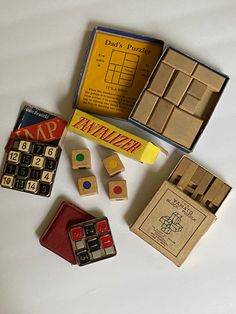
(179, 61)
(113, 165)
(182, 128)
(177, 88)
(145, 107)
(189, 172)
(179, 171)
(81, 158)
(87, 186)
(202, 186)
(207, 76)
(117, 190)
(220, 196)
(160, 115)
(189, 104)
(197, 89)
(161, 79)
(165, 223)
(212, 192)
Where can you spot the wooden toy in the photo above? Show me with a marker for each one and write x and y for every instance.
(31, 167)
(175, 220)
(92, 241)
(197, 89)
(178, 87)
(117, 190)
(189, 104)
(146, 106)
(81, 158)
(87, 186)
(182, 127)
(161, 80)
(160, 115)
(113, 165)
(55, 237)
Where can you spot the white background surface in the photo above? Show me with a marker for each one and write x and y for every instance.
(42, 47)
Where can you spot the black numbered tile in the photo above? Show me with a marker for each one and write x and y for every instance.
(26, 159)
(10, 168)
(30, 167)
(92, 241)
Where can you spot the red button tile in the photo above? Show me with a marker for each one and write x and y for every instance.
(77, 233)
(102, 226)
(106, 241)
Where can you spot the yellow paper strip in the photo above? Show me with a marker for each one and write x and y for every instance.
(112, 137)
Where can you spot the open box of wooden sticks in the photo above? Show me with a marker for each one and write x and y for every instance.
(182, 210)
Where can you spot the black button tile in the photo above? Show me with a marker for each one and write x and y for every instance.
(26, 159)
(83, 257)
(89, 230)
(10, 169)
(93, 245)
(44, 189)
(50, 164)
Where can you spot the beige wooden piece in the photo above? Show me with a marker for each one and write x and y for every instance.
(117, 190)
(113, 165)
(161, 79)
(189, 172)
(213, 191)
(202, 186)
(197, 89)
(87, 186)
(81, 158)
(182, 128)
(220, 196)
(160, 115)
(177, 88)
(214, 80)
(180, 170)
(145, 107)
(179, 61)
(189, 103)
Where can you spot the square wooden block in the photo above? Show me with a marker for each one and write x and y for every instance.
(117, 190)
(197, 89)
(87, 186)
(182, 128)
(145, 107)
(189, 103)
(81, 158)
(113, 165)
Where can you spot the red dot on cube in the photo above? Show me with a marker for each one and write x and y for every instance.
(106, 241)
(77, 233)
(117, 189)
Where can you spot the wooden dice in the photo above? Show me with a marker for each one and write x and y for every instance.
(87, 186)
(81, 158)
(117, 190)
(113, 165)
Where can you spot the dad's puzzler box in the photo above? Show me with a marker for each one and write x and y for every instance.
(116, 69)
(181, 211)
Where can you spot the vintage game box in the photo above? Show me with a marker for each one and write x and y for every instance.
(178, 99)
(113, 137)
(38, 125)
(116, 68)
(181, 211)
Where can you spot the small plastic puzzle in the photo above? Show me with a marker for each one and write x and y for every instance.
(92, 241)
(30, 167)
(113, 165)
(87, 186)
(81, 158)
(117, 190)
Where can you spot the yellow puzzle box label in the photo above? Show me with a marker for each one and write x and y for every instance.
(113, 137)
(117, 67)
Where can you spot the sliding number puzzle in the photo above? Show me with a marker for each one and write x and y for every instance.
(121, 68)
(92, 241)
(30, 167)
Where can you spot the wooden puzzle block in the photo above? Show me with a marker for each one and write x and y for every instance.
(212, 192)
(179, 61)
(197, 89)
(160, 115)
(182, 128)
(207, 76)
(189, 103)
(220, 196)
(177, 88)
(113, 165)
(31, 167)
(92, 241)
(189, 172)
(87, 186)
(179, 171)
(161, 79)
(202, 186)
(81, 158)
(117, 190)
(145, 107)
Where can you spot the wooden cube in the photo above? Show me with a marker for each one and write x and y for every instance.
(117, 190)
(145, 107)
(113, 165)
(87, 186)
(81, 158)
